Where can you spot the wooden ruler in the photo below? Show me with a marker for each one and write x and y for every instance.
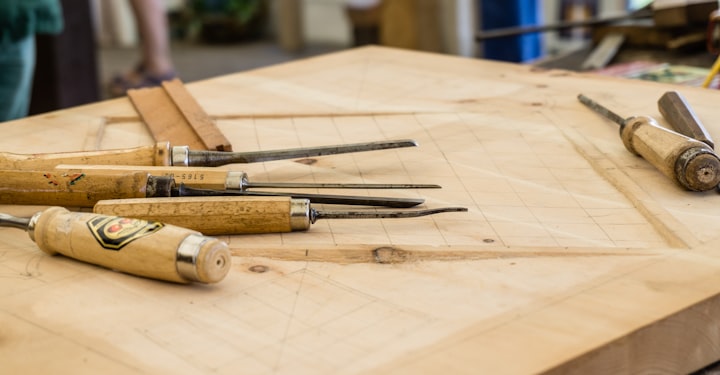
(172, 114)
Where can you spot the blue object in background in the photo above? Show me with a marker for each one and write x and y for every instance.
(496, 14)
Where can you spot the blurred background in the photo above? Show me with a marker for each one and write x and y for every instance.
(102, 42)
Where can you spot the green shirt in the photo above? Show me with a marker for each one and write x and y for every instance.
(21, 18)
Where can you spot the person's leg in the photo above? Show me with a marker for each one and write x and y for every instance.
(153, 27)
(17, 65)
(156, 61)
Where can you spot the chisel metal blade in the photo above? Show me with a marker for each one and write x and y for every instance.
(323, 185)
(218, 158)
(183, 191)
(381, 214)
(602, 110)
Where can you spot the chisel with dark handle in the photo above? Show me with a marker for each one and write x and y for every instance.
(78, 188)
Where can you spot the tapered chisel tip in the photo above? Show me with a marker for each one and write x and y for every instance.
(383, 214)
(217, 158)
(325, 185)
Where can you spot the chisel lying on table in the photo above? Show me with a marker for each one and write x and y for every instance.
(690, 163)
(242, 215)
(181, 156)
(80, 189)
(138, 247)
(217, 178)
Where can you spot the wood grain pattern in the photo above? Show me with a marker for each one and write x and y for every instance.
(71, 188)
(575, 255)
(208, 215)
(159, 154)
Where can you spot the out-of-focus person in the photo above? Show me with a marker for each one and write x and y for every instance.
(20, 20)
(155, 65)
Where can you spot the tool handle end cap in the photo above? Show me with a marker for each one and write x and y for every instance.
(213, 262)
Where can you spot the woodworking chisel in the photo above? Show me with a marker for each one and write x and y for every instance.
(134, 246)
(181, 156)
(222, 179)
(678, 113)
(80, 189)
(242, 215)
(689, 162)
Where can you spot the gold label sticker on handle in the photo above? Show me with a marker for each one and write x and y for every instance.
(113, 233)
(64, 179)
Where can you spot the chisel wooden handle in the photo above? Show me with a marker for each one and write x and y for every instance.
(76, 188)
(159, 154)
(199, 177)
(217, 215)
(133, 246)
(691, 163)
(688, 161)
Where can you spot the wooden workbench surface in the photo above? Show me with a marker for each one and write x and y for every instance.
(574, 256)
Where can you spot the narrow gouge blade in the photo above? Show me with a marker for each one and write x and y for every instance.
(600, 109)
(324, 185)
(315, 215)
(189, 158)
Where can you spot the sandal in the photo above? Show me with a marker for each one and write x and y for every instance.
(137, 79)
(137, 71)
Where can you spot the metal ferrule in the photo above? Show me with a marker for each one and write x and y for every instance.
(180, 156)
(159, 186)
(187, 255)
(32, 223)
(300, 214)
(236, 180)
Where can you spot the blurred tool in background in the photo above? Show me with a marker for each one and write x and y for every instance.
(713, 41)
(690, 163)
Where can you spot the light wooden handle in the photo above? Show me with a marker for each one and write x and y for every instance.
(217, 215)
(158, 154)
(138, 247)
(72, 188)
(197, 177)
(689, 162)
